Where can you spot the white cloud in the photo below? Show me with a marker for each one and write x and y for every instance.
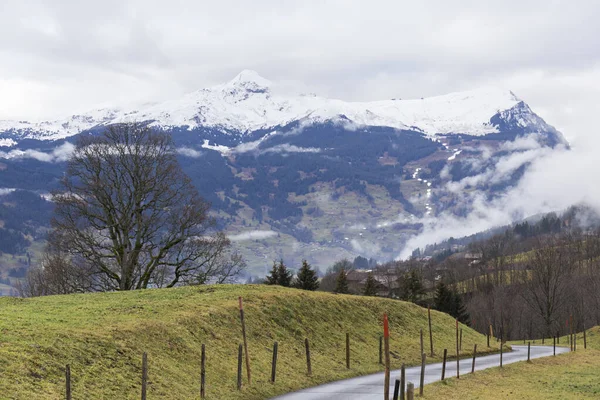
(252, 235)
(5, 191)
(189, 152)
(63, 152)
(58, 154)
(528, 142)
(290, 148)
(7, 142)
(366, 248)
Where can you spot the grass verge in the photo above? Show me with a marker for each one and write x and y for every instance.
(567, 376)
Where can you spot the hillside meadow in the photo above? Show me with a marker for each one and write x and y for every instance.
(103, 336)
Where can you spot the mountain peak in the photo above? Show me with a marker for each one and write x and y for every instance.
(249, 79)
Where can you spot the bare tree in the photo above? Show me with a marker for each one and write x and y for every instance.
(128, 210)
(547, 289)
(57, 274)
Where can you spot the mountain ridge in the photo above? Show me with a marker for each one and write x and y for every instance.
(249, 102)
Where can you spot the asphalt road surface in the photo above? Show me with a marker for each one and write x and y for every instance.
(371, 386)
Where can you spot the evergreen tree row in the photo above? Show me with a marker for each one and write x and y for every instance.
(306, 279)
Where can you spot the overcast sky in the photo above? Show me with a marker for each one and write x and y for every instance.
(65, 56)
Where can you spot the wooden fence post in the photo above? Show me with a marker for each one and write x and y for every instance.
(457, 354)
(396, 389)
(380, 349)
(347, 350)
(386, 340)
(554, 345)
(444, 364)
(430, 331)
(422, 381)
(570, 342)
(460, 341)
(488, 340)
(571, 331)
(529, 352)
(584, 339)
(274, 363)
(421, 340)
(239, 371)
(144, 375)
(308, 366)
(474, 356)
(402, 381)
(203, 373)
(501, 350)
(410, 391)
(68, 381)
(245, 341)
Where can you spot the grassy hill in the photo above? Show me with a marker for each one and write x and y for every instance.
(102, 336)
(567, 376)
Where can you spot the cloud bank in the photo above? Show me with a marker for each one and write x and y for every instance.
(554, 180)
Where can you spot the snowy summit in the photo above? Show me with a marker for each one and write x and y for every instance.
(247, 103)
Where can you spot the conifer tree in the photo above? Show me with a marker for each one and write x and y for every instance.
(341, 285)
(443, 298)
(370, 286)
(460, 310)
(307, 278)
(450, 302)
(411, 286)
(273, 277)
(284, 275)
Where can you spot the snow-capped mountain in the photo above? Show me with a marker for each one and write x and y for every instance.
(298, 176)
(250, 102)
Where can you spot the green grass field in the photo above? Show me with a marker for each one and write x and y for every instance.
(568, 376)
(103, 336)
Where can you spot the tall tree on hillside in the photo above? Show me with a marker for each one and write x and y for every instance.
(547, 290)
(370, 286)
(443, 300)
(460, 310)
(273, 277)
(307, 278)
(284, 275)
(450, 302)
(411, 286)
(128, 212)
(341, 285)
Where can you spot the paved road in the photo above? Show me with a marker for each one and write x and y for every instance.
(371, 386)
